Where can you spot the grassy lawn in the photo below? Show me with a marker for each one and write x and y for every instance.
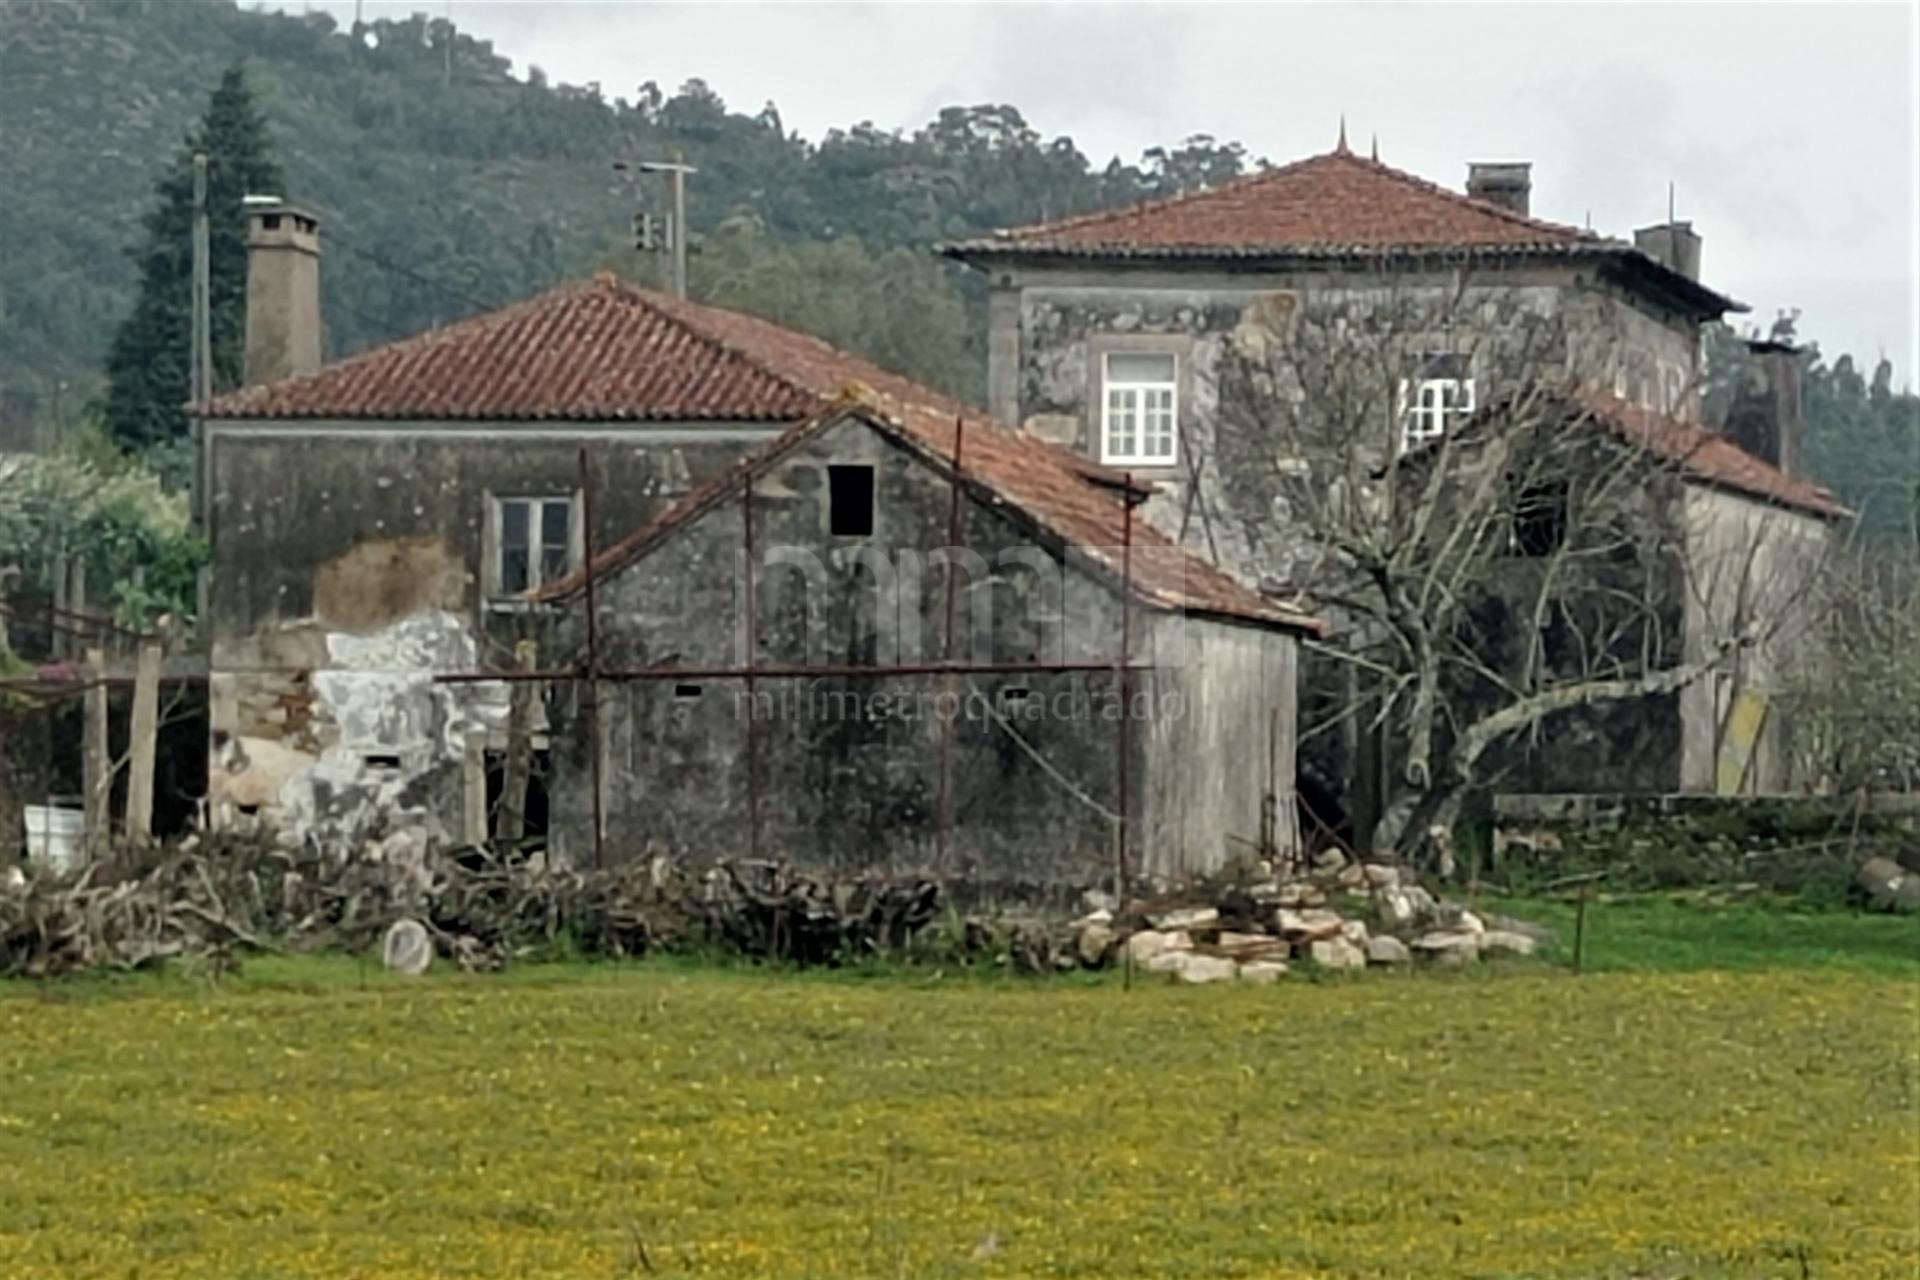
(1724, 1117)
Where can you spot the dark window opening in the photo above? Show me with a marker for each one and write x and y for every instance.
(533, 805)
(382, 762)
(270, 221)
(1539, 519)
(850, 501)
(686, 691)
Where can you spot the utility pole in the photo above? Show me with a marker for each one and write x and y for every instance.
(202, 287)
(675, 240)
(201, 362)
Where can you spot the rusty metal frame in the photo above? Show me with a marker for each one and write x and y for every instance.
(593, 674)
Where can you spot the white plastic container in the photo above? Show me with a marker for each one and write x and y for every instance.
(56, 836)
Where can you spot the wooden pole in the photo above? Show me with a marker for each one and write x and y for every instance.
(598, 763)
(473, 792)
(143, 744)
(96, 767)
(519, 767)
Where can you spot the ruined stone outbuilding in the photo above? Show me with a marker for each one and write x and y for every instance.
(1007, 777)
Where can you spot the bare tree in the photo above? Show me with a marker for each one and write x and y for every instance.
(1861, 711)
(1496, 545)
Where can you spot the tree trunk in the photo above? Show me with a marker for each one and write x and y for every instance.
(96, 763)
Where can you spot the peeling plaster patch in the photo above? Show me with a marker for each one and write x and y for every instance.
(381, 700)
(381, 580)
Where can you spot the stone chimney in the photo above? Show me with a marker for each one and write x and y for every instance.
(1673, 245)
(1764, 418)
(1507, 184)
(283, 291)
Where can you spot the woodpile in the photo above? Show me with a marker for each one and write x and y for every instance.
(220, 898)
(768, 909)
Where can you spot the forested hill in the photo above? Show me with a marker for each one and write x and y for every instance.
(447, 184)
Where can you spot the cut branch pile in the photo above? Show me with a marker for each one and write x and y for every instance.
(220, 898)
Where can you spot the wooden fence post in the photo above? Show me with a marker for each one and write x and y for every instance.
(96, 764)
(519, 765)
(142, 744)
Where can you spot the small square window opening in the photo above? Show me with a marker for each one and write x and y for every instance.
(850, 500)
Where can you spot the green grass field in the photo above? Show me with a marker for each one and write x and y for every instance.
(1719, 1096)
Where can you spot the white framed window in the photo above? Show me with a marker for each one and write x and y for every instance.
(1430, 407)
(1139, 414)
(531, 541)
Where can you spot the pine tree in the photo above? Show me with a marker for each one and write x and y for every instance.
(149, 365)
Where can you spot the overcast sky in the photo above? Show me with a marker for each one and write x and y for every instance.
(1791, 132)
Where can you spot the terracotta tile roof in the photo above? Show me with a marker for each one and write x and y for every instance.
(596, 350)
(1338, 205)
(1336, 200)
(1705, 454)
(1033, 479)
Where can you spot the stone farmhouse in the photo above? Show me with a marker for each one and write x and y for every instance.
(1111, 335)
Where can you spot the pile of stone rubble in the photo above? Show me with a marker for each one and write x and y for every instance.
(1359, 915)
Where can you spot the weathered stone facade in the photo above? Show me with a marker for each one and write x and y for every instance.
(849, 767)
(348, 572)
(1045, 369)
(1626, 326)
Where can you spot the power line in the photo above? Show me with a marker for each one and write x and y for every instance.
(414, 274)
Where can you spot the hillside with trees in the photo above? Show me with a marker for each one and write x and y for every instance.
(449, 181)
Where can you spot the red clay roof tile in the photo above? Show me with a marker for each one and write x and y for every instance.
(1336, 200)
(596, 350)
(1705, 454)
